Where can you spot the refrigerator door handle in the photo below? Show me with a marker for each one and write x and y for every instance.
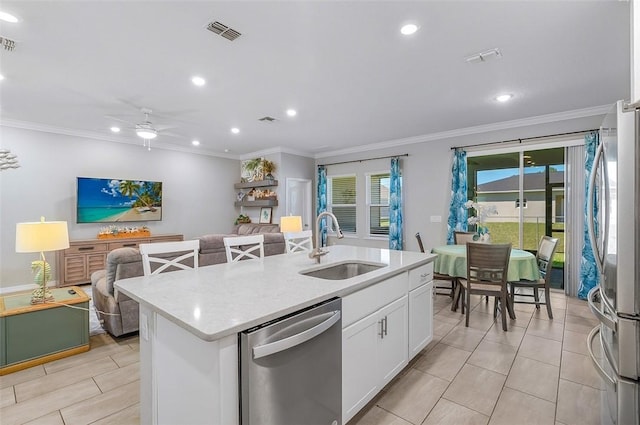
(596, 332)
(590, 202)
(603, 318)
(297, 339)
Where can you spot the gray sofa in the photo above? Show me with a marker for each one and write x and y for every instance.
(119, 313)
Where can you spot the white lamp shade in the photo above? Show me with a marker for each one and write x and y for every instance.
(42, 236)
(292, 223)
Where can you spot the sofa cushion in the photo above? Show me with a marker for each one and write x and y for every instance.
(212, 243)
(254, 229)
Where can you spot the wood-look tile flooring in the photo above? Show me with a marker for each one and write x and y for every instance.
(536, 373)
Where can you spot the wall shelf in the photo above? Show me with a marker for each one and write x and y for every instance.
(261, 183)
(258, 203)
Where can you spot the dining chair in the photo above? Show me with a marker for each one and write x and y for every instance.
(461, 238)
(440, 277)
(544, 258)
(244, 247)
(169, 255)
(487, 266)
(298, 241)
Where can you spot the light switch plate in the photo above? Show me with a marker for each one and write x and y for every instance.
(436, 218)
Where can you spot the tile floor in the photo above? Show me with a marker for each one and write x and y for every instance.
(536, 373)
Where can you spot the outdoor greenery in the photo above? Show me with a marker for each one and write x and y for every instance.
(506, 232)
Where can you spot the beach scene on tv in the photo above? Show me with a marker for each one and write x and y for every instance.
(114, 201)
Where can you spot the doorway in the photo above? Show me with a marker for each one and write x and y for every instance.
(527, 189)
(299, 200)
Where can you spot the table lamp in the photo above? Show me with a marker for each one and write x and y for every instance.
(40, 237)
(292, 223)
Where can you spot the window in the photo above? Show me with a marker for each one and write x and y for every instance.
(378, 203)
(342, 201)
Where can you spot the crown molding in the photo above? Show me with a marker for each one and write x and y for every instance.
(26, 125)
(486, 128)
(276, 150)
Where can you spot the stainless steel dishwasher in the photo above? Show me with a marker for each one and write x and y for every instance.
(291, 369)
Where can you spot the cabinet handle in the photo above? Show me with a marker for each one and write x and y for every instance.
(385, 325)
(381, 323)
(129, 245)
(424, 275)
(86, 248)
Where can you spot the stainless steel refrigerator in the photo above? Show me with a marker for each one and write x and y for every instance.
(614, 232)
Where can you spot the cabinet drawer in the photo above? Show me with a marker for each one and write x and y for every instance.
(126, 244)
(167, 239)
(366, 301)
(420, 275)
(86, 248)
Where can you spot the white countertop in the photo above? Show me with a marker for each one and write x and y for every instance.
(215, 301)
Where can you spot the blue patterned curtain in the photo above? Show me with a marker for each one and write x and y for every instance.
(395, 206)
(322, 202)
(457, 210)
(589, 276)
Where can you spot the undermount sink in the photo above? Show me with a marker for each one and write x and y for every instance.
(342, 270)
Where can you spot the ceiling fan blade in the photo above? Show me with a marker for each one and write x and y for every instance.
(170, 134)
(111, 117)
(164, 127)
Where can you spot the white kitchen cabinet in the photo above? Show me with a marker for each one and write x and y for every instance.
(392, 344)
(374, 350)
(420, 318)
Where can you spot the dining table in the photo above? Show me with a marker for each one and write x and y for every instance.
(452, 261)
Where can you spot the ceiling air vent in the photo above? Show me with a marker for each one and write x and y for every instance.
(7, 43)
(266, 119)
(223, 30)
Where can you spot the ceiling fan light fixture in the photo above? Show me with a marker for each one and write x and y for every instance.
(146, 131)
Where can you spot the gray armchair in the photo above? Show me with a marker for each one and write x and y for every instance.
(122, 317)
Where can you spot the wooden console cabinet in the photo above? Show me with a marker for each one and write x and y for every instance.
(83, 257)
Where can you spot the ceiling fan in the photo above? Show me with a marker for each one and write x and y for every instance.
(146, 129)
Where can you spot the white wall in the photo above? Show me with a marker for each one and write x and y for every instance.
(198, 191)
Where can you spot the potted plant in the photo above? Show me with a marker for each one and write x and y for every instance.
(268, 167)
(252, 169)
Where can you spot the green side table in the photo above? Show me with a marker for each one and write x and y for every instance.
(35, 334)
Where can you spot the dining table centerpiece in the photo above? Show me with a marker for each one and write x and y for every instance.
(478, 214)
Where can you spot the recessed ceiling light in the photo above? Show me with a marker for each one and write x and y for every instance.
(226, 150)
(504, 97)
(7, 17)
(198, 81)
(115, 129)
(292, 112)
(409, 29)
(195, 143)
(1, 77)
(235, 130)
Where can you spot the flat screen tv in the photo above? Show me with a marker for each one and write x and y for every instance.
(115, 201)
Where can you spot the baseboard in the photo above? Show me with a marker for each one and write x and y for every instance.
(26, 287)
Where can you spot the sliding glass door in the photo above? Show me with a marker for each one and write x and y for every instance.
(527, 190)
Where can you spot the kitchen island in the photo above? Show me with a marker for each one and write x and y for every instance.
(189, 321)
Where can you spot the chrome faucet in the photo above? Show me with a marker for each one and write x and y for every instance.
(318, 251)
